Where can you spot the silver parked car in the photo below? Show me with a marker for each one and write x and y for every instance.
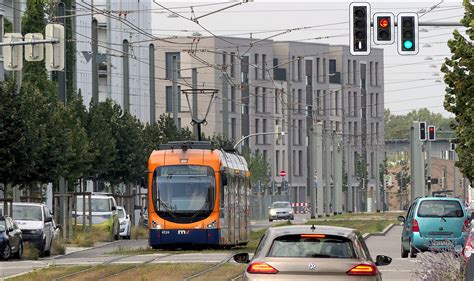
(281, 210)
(306, 252)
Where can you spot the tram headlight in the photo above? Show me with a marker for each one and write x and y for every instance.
(213, 224)
(156, 225)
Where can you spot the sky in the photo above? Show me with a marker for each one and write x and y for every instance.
(411, 82)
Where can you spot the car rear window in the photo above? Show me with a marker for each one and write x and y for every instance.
(281, 205)
(312, 245)
(440, 208)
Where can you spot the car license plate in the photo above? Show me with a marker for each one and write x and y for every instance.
(441, 243)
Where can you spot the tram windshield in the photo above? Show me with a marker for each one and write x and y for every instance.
(184, 189)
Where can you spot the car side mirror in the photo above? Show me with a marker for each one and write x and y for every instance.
(58, 226)
(382, 260)
(127, 217)
(401, 218)
(114, 208)
(242, 258)
(10, 229)
(48, 219)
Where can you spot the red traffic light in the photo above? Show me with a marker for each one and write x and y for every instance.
(431, 129)
(384, 22)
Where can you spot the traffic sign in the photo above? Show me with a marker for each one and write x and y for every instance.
(283, 173)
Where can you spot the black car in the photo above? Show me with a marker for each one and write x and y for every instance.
(11, 240)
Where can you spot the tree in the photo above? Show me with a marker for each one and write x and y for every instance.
(259, 169)
(459, 98)
(398, 126)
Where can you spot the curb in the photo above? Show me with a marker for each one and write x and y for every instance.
(24, 273)
(87, 249)
(368, 235)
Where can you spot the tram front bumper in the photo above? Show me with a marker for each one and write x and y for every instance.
(159, 237)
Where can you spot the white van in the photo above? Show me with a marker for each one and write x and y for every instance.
(103, 213)
(35, 222)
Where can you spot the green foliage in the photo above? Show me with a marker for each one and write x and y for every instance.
(8, 26)
(259, 169)
(403, 176)
(383, 170)
(361, 170)
(459, 98)
(398, 126)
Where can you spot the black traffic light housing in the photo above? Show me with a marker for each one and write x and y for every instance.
(422, 130)
(384, 28)
(359, 25)
(431, 133)
(407, 33)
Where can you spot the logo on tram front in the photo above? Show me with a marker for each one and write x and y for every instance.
(183, 232)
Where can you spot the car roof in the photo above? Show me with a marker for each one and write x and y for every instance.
(280, 202)
(105, 196)
(439, 199)
(28, 204)
(306, 229)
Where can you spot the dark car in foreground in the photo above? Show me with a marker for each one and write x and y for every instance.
(306, 252)
(11, 240)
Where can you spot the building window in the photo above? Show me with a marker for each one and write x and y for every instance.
(300, 132)
(295, 166)
(372, 164)
(300, 101)
(377, 133)
(264, 66)
(332, 66)
(169, 99)
(224, 61)
(355, 113)
(371, 71)
(283, 158)
(257, 97)
(372, 131)
(170, 57)
(232, 98)
(349, 72)
(325, 105)
(377, 105)
(324, 70)
(293, 71)
(264, 154)
(256, 66)
(277, 123)
(233, 128)
(318, 73)
(277, 102)
(356, 159)
(277, 163)
(257, 125)
(264, 129)
(299, 69)
(232, 64)
(349, 103)
(336, 98)
(354, 72)
(300, 162)
(350, 131)
(371, 104)
(376, 73)
(318, 101)
(356, 133)
(264, 100)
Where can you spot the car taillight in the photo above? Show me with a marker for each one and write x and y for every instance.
(415, 226)
(465, 227)
(467, 251)
(363, 269)
(261, 268)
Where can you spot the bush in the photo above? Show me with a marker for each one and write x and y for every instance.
(30, 252)
(444, 265)
(88, 238)
(58, 248)
(139, 232)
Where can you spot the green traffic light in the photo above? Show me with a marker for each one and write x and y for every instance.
(407, 44)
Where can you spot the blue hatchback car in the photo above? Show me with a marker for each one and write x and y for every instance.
(434, 223)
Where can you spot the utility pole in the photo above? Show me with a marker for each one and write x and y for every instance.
(378, 195)
(363, 121)
(428, 167)
(225, 102)
(337, 152)
(175, 91)
(416, 162)
(318, 143)
(455, 185)
(312, 184)
(195, 102)
(327, 169)
(17, 29)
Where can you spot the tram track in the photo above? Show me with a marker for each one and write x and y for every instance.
(209, 269)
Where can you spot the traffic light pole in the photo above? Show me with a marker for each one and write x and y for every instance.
(428, 168)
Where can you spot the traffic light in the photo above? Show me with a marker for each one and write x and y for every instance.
(359, 22)
(407, 33)
(384, 28)
(422, 131)
(12, 55)
(54, 58)
(431, 133)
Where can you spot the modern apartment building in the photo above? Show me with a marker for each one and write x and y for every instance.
(287, 84)
(115, 54)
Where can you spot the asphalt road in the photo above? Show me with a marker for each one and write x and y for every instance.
(389, 245)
